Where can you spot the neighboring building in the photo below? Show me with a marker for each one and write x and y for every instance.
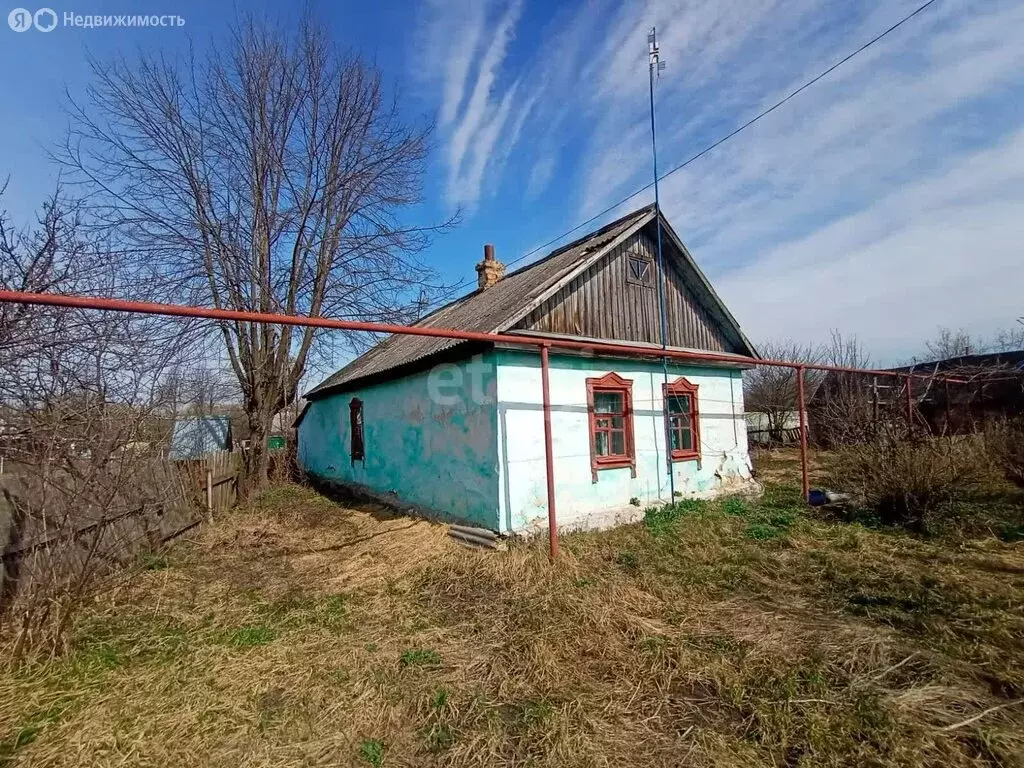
(958, 395)
(992, 389)
(197, 437)
(455, 428)
(765, 429)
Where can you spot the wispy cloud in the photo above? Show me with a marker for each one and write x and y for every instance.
(847, 170)
(943, 250)
(468, 43)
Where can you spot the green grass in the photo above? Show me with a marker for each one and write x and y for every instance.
(151, 561)
(767, 518)
(419, 657)
(372, 751)
(251, 636)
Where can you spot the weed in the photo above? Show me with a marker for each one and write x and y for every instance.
(763, 532)
(914, 484)
(372, 751)
(635, 501)
(34, 725)
(847, 646)
(533, 714)
(661, 521)
(734, 505)
(1010, 532)
(150, 561)
(250, 636)
(332, 612)
(440, 738)
(98, 656)
(628, 561)
(440, 699)
(420, 657)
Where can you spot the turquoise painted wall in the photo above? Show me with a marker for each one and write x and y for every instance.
(724, 465)
(431, 439)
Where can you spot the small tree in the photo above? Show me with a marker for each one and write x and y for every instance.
(79, 395)
(268, 177)
(772, 390)
(843, 407)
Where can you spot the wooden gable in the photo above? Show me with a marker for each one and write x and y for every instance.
(616, 298)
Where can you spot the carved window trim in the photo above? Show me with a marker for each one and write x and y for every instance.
(611, 383)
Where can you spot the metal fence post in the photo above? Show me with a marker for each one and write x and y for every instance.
(802, 408)
(549, 458)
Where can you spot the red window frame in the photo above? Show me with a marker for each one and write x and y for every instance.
(674, 423)
(611, 383)
(357, 444)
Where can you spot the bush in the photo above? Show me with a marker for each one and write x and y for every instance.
(914, 484)
(1005, 444)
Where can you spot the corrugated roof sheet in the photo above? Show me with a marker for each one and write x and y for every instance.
(487, 311)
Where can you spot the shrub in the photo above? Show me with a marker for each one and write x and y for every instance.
(911, 483)
(1004, 441)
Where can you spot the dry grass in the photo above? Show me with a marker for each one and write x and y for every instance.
(298, 632)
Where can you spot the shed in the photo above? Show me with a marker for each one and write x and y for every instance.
(197, 437)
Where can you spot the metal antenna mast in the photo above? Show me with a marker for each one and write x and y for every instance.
(655, 69)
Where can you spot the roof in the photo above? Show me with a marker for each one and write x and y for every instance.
(195, 438)
(1007, 359)
(500, 307)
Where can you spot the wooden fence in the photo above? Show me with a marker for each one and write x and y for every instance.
(213, 479)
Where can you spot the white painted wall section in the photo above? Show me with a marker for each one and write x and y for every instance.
(579, 501)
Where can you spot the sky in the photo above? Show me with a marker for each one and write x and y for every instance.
(885, 201)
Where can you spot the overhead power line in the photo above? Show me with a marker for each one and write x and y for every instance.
(727, 137)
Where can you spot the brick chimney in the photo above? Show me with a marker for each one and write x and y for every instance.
(489, 271)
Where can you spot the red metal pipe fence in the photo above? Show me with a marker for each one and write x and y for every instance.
(549, 459)
(545, 344)
(801, 406)
(209, 313)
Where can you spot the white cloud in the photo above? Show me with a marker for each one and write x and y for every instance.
(945, 250)
(833, 195)
(467, 45)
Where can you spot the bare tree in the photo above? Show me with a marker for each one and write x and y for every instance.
(960, 343)
(269, 176)
(844, 407)
(949, 343)
(772, 390)
(1008, 339)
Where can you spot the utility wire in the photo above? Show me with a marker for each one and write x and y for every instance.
(725, 138)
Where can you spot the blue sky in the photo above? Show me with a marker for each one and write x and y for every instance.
(885, 201)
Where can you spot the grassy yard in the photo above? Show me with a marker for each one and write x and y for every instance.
(741, 632)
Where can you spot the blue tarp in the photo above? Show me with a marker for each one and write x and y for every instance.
(195, 438)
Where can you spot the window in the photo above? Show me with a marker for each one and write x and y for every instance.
(683, 419)
(638, 270)
(355, 417)
(610, 405)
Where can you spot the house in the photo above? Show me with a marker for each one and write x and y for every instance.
(456, 429)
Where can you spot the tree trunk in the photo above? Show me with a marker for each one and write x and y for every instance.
(257, 458)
